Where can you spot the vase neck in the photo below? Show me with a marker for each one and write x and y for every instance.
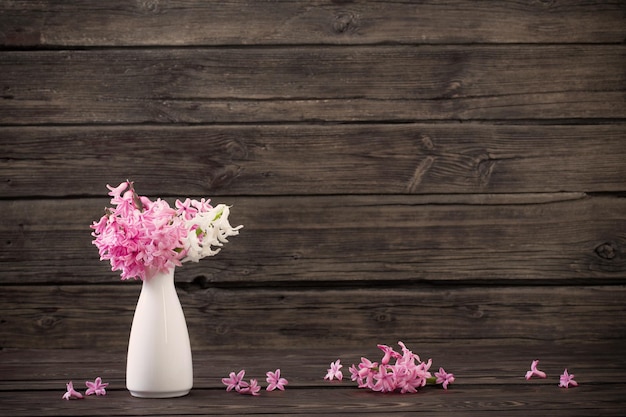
(155, 278)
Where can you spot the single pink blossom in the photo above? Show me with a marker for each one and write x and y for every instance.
(444, 378)
(202, 205)
(335, 371)
(234, 381)
(409, 378)
(251, 388)
(366, 366)
(567, 380)
(534, 371)
(97, 387)
(388, 354)
(422, 370)
(116, 192)
(185, 209)
(354, 373)
(275, 381)
(71, 392)
(364, 374)
(408, 357)
(385, 381)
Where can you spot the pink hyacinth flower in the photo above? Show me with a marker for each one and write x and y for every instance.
(334, 371)
(71, 392)
(444, 378)
(534, 371)
(97, 387)
(275, 381)
(388, 354)
(234, 381)
(185, 209)
(252, 388)
(567, 380)
(385, 381)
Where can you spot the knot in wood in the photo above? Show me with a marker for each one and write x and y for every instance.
(607, 250)
(427, 142)
(151, 6)
(383, 317)
(345, 22)
(485, 168)
(223, 175)
(454, 89)
(47, 322)
(236, 149)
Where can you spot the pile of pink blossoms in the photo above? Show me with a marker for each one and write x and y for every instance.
(138, 235)
(406, 375)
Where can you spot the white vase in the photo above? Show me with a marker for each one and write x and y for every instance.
(159, 363)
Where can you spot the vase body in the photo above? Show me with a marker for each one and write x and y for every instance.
(159, 363)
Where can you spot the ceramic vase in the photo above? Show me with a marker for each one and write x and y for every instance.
(159, 362)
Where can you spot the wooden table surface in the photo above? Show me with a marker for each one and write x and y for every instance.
(449, 173)
(489, 381)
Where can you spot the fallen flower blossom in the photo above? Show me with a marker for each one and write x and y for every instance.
(251, 388)
(567, 379)
(385, 379)
(334, 372)
(388, 354)
(534, 371)
(444, 378)
(97, 387)
(71, 392)
(234, 381)
(275, 381)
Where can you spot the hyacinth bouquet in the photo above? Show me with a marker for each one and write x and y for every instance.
(138, 235)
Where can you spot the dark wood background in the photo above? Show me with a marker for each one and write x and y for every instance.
(442, 173)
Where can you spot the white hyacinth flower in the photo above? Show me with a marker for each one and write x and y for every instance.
(209, 230)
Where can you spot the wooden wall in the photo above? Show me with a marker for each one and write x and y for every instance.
(433, 172)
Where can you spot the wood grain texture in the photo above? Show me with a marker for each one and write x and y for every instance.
(450, 174)
(69, 317)
(331, 239)
(489, 381)
(489, 362)
(313, 159)
(236, 22)
(271, 84)
(490, 401)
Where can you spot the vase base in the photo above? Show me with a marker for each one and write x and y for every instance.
(159, 394)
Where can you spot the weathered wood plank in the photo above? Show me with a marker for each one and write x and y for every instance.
(488, 381)
(175, 22)
(313, 159)
(605, 400)
(207, 85)
(484, 362)
(544, 106)
(489, 378)
(46, 316)
(335, 239)
(476, 244)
